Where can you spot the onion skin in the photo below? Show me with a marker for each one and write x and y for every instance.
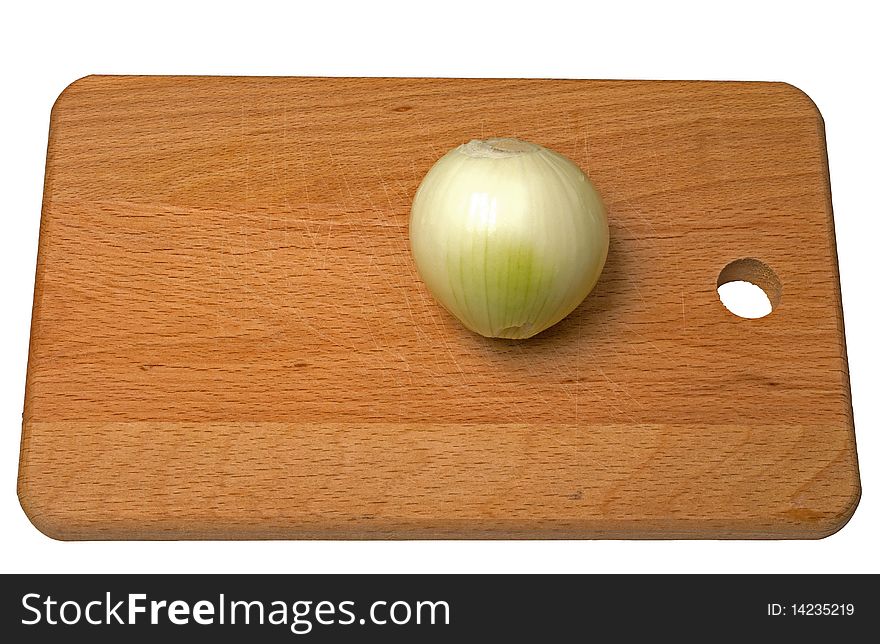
(508, 236)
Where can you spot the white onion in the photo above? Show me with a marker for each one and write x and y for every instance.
(508, 236)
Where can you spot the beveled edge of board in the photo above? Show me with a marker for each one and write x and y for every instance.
(53, 515)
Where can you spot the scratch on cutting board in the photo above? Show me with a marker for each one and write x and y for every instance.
(441, 332)
(644, 339)
(619, 389)
(683, 313)
(427, 134)
(586, 153)
(402, 228)
(652, 147)
(294, 311)
(381, 347)
(384, 184)
(246, 155)
(639, 293)
(536, 377)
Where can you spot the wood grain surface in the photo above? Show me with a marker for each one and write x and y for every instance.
(230, 340)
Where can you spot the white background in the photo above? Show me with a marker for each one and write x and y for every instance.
(828, 50)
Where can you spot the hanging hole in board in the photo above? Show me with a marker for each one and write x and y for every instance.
(749, 288)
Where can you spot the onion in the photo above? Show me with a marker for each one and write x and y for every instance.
(508, 236)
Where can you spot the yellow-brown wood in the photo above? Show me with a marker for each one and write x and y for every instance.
(230, 340)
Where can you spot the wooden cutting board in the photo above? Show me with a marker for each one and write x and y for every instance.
(230, 340)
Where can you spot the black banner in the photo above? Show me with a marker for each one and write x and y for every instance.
(425, 608)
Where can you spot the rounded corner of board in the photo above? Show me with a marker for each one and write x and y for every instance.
(839, 517)
(44, 515)
(71, 88)
(796, 96)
